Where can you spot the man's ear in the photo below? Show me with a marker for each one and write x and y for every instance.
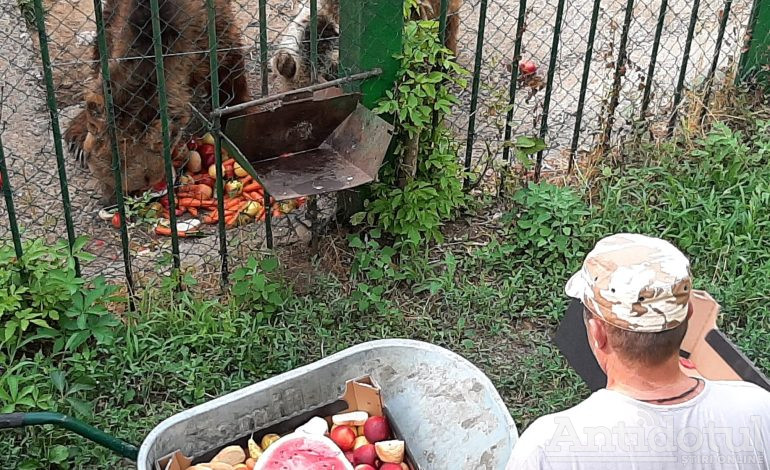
(597, 334)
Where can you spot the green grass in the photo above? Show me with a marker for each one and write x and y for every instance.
(492, 292)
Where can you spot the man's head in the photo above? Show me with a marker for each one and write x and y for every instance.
(635, 291)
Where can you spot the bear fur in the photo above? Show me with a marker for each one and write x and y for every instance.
(292, 60)
(134, 86)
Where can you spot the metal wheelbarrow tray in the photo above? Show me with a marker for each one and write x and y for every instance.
(447, 410)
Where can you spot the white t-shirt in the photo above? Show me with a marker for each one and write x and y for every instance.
(727, 426)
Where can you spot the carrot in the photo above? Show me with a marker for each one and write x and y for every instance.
(229, 162)
(231, 219)
(166, 232)
(211, 218)
(247, 180)
(252, 187)
(193, 211)
(233, 203)
(195, 202)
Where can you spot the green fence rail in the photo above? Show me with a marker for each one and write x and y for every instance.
(603, 68)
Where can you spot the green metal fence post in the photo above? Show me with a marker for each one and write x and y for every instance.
(370, 36)
(620, 72)
(683, 69)
(653, 59)
(584, 84)
(109, 106)
(314, 41)
(442, 20)
(263, 45)
(5, 185)
(53, 111)
(514, 77)
(217, 132)
(549, 83)
(163, 104)
(471, 138)
(755, 61)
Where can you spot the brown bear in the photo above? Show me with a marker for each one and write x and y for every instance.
(134, 86)
(292, 63)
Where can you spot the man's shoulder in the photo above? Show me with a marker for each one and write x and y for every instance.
(547, 426)
(739, 393)
(746, 389)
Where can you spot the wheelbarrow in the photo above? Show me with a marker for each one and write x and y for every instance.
(447, 409)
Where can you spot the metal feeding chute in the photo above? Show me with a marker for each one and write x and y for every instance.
(311, 145)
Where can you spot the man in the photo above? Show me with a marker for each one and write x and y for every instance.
(635, 291)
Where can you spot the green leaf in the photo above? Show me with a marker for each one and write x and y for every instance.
(76, 340)
(58, 379)
(81, 407)
(58, 454)
(269, 264)
(357, 218)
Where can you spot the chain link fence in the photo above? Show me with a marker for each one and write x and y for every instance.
(578, 97)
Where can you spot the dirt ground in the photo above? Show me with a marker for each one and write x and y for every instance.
(26, 127)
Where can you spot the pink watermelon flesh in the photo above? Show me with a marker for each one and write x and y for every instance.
(304, 454)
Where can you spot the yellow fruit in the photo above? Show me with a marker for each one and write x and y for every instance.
(234, 188)
(268, 439)
(390, 451)
(360, 441)
(207, 139)
(254, 450)
(239, 171)
(230, 455)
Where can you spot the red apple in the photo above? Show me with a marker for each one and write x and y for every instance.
(527, 67)
(364, 466)
(390, 466)
(344, 437)
(349, 456)
(376, 429)
(365, 454)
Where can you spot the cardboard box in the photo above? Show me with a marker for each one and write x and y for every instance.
(706, 351)
(362, 394)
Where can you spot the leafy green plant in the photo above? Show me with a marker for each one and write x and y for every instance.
(550, 225)
(42, 299)
(524, 147)
(421, 185)
(255, 290)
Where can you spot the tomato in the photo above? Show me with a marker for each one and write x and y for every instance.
(116, 220)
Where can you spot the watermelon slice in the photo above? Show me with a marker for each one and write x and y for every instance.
(300, 451)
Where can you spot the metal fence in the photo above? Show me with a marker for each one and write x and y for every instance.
(604, 67)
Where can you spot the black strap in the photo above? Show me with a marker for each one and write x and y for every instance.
(11, 420)
(678, 397)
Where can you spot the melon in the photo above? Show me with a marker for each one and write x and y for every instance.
(300, 451)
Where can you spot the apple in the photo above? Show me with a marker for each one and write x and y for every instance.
(365, 454)
(364, 466)
(390, 466)
(376, 429)
(349, 456)
(527, 67)
(344, 437)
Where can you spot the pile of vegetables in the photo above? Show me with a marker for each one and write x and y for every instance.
(244, 198)
(355, 441)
